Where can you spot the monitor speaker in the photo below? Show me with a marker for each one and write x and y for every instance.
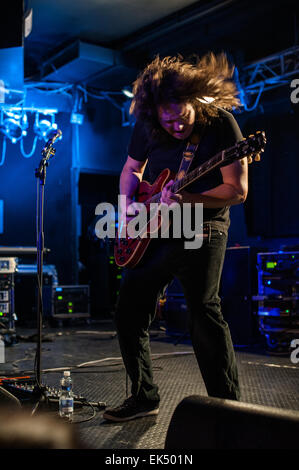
(213, 423)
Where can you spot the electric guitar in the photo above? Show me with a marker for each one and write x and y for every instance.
(129, 251)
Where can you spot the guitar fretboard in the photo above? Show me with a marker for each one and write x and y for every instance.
(200, 171)
(193, 175)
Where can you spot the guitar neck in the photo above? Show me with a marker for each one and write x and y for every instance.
(203, 169)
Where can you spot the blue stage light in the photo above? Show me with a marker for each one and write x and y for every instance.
(44, 127)
(12, 129)
(13, 125)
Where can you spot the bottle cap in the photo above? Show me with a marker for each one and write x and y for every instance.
(66, 373)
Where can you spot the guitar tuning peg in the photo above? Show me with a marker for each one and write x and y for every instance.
(249, 160)
(257, 158)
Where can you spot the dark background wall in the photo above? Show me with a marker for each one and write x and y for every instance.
(272, 207)
(102, 139)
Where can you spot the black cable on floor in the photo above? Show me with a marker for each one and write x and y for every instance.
(91, 417)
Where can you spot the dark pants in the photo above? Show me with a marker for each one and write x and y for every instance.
(199, 271)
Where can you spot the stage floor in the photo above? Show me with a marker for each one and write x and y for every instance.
(92, 353)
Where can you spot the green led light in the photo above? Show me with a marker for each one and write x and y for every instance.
(1, 314)
(271, 265)
(118, 277)
(70, 303)
(70, 310)
(59, 297)
(287, 311)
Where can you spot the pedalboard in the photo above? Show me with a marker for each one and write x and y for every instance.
(24, 389)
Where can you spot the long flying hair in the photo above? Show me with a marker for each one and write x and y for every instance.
(174, 80)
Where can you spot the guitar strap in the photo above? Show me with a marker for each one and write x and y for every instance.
(188, 155)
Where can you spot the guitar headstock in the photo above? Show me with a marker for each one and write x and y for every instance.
(253, 146)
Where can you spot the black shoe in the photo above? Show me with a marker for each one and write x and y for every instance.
(131, 409)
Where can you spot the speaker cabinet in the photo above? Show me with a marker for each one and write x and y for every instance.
(213, 423)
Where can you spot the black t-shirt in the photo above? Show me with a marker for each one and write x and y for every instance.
(222, 133)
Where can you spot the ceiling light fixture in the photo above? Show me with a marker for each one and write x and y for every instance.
(127, 92)
(44, 127)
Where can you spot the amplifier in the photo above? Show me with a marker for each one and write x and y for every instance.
(8, 267)
(278, 273)
(26, 292)
(70, 302)
(278, 295)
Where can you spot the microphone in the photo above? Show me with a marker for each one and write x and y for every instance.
(55, 135)
(48, 151)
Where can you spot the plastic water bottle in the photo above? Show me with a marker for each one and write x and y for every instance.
(66, 399)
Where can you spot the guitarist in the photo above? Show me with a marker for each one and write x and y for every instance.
(176, 102)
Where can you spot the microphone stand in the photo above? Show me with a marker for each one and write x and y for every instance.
(40, 173)
(40, 391)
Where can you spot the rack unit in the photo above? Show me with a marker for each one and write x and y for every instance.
(278, 307)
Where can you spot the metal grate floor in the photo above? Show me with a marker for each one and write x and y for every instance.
(98, 374)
